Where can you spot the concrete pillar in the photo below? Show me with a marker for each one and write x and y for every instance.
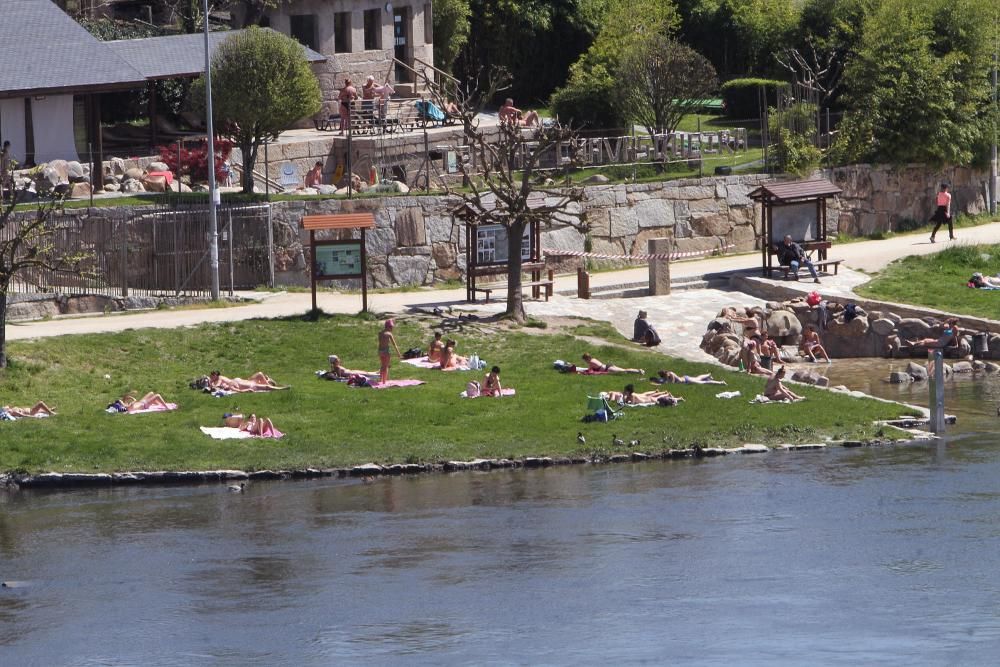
(659, 269)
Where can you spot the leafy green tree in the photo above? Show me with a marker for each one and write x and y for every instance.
(917, 88)
(451, 31)
(661, 80)
(591, 95)
(261, 85)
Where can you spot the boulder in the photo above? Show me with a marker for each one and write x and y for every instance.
(116, 166)
(916, 371)
(883, 326)
(978, 365)
(51, 176)
(61, 167)
(899, 377)
(177, 186)
(893, 316)
(325, 189)
(990, 367)
(962, 367)
(80, 190)
(132, 185)
(822, 381)
(721, 325)
(75, 172)
(855, 328)
(783, 323)
(913, 329)
(155, 183)
(133, 173)
(112, 186)
(157, 166)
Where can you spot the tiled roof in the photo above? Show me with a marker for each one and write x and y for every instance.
(796, 190)
(43, 50)
(176, 55)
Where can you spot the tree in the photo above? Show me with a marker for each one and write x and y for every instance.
(261, 84)
(451, 31)
(917, 87)
(26, 246)
(506, 190)
(661, 80)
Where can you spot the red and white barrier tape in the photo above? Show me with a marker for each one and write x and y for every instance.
(667, 256)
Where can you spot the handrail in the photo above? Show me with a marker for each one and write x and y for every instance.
(442, 72)
(260, 177)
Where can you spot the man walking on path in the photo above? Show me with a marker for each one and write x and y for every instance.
(943, 213)
(792, 255)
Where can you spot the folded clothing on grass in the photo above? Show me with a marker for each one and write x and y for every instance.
(231, 433)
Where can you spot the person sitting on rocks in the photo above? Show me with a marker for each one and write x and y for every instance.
(643, 332)
(670, 377)
(811, 345)
(948, 338)
(750, 358)
(776, 391)
(769, 350)
(314, 176)
(598, 366)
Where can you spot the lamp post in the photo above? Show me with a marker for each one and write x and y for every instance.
(213, 193)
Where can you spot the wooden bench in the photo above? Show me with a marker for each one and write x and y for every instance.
(821, 267)
(535, 285)
(822, 264)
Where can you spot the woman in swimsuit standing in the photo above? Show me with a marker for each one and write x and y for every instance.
(385, 338)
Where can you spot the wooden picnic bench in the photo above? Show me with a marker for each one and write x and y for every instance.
(537, 283)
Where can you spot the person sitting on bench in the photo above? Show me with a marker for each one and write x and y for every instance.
(792, 255)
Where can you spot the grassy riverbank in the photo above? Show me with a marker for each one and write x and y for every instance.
(330, 424)
(939, 281)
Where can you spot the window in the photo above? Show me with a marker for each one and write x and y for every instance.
(303, 29)
(373, 29)
(342, 32)
(428, 24)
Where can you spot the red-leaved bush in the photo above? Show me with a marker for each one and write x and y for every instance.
(194, 159)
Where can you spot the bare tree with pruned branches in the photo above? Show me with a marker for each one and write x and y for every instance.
(509, 184)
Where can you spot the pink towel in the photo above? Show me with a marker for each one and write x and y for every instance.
(396, 383)
(230, 433)
(590, 371)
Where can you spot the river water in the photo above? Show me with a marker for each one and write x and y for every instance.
(859, 556)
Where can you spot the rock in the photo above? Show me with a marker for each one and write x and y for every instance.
(155, 183)
(133, 173)
(721, 325)
(947, 370)
(856, 327)
(962, 367)
(916, 371)
(177, 186)
(408, 270)
(805, 377)
(75, 172)
(61, 167)
(892, 316)
(80, 190)
(783, 323)
(883, 326)
(51, 176)
(305, 192)
(899, 377)
(978, 365)
(157, 166)
(990, 367)
(112, 186)
(913, 329)
(325, 189)
(116, 166)
(596, 179)
(132, 185)
(401, 187)
(822, 381)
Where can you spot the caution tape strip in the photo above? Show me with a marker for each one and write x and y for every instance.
(667, 256)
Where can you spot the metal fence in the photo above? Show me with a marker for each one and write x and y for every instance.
(153, 251)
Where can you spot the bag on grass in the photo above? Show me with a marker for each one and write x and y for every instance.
(413, 353)
(472, 389)
(358, 381)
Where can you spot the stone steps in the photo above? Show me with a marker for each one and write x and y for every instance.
(637, 289)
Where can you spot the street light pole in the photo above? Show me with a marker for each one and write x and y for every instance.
(213, 193)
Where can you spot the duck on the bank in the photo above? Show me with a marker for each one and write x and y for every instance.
(583, 441)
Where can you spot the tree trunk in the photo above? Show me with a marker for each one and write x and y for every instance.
(249, 160)
(3, 328)
(515, 298)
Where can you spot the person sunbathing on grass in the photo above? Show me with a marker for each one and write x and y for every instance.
(670, 377)
(256, 382)
(448, 357)
(150, 400)
(776, 391)
(595, 364)
(631, 397)
(491, 383)
(39, 409)
(253, 424)
(338, 372)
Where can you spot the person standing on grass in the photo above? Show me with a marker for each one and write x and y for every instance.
(385, 338)
(943, 213)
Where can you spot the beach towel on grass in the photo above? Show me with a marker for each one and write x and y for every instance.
(421, 362)
(591, 371)
(761, 398)
(503, 392)
(230, 433)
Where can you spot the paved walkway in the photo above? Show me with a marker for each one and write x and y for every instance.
(680, 317)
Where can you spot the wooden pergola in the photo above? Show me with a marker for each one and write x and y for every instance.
(796, 209)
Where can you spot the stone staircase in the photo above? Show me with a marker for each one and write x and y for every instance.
(638, 289)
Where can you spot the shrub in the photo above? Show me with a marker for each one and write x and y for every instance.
(741, 97)
(588, 101)
(795, 153)
(194, 160)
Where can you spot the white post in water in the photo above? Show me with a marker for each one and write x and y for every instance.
(937, 394)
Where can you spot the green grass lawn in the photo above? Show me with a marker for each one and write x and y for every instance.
(331, 424)
(939, 280)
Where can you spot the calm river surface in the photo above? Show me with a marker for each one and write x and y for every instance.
(880, 556)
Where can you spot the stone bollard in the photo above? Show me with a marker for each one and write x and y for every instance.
(659, 269)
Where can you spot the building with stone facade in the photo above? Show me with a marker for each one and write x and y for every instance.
(390, 40)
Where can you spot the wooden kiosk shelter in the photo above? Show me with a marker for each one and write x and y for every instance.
(797, 209)
(339, 259)
(486, 254)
